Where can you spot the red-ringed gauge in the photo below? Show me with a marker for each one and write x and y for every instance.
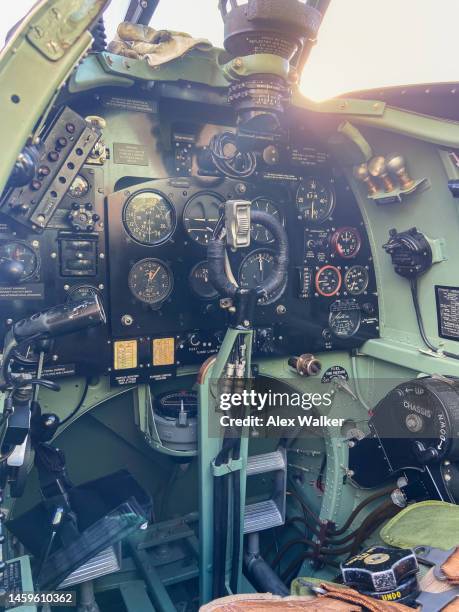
(328, 281)
(151, 281)
(315, 199)
(347, 242)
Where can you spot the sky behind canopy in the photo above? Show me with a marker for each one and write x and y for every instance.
(362, 43)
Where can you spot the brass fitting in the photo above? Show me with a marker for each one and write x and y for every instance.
(305, 365)
(377, 168)
(361, 174)
(396, 165)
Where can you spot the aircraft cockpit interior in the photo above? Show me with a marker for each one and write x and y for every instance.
(229, 319)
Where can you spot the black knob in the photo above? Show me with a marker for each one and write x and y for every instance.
(44, 170)
(53, 156)
(61, 142)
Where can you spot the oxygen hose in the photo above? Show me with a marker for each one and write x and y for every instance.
(216, 254)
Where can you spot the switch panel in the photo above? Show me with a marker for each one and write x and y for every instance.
(64, 150)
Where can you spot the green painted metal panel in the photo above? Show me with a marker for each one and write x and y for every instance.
(34, 65)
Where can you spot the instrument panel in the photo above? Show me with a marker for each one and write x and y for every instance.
(142, 250)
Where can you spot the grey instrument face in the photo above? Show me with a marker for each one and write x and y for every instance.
(259, 233)
(200, 217)
(150, 281)
(149, 218)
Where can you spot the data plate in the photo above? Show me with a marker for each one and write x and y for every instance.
(125, 354)
(163, 351)
(447, 312)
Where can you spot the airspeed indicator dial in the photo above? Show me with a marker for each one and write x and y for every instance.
(150, 281)
(149, 218)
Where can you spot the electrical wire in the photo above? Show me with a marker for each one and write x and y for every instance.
(78, 406)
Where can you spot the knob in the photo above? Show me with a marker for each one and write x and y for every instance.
(82, 218)
(362, 174)
(368, 308)
(61, 142)
(194, 340)
(305, 365)
(377, 168)
(396, 164)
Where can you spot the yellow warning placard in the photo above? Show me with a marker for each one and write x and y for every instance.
(163, 351)
(125, 354)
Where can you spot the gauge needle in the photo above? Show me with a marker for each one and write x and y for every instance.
(151, 274)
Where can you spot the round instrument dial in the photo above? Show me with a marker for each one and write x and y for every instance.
(151, 281)
(356, 280)
(255, 268)
(347, 242)
(82, 292)
(328, 281)
(344, 318)
(258, 232)
(200, 283)
(201, 215)
(149, 218)
(17, 252)
(315, 200)
(79, 187)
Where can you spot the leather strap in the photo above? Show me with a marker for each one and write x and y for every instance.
(450, 568)
(365, 602)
